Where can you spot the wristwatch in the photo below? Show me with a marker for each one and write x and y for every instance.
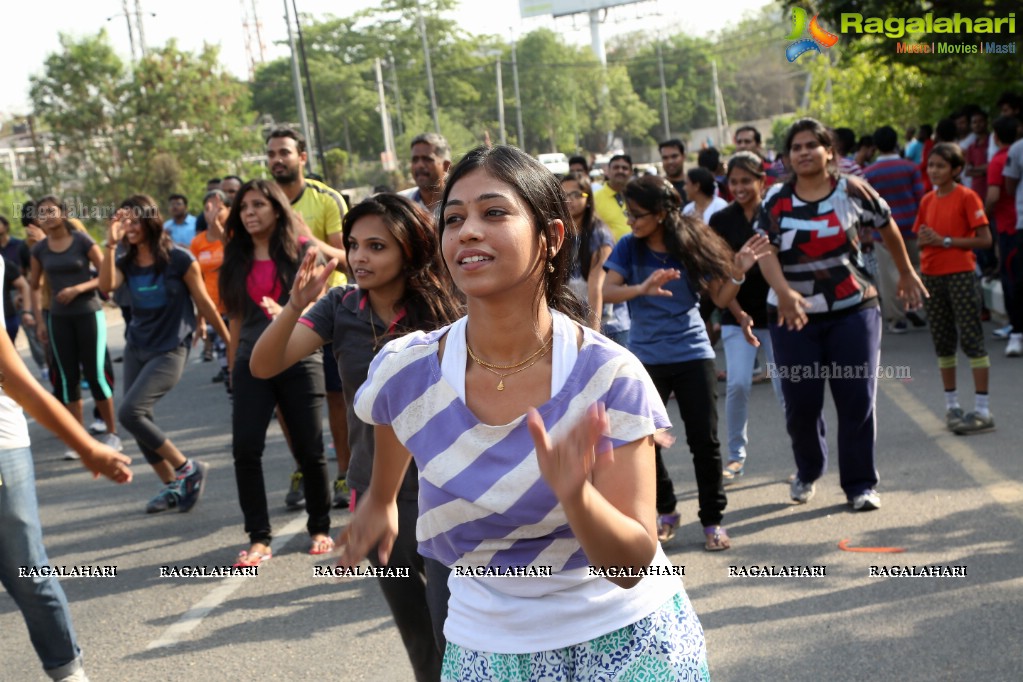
(946, 242)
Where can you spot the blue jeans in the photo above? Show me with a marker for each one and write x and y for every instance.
(41, 600)
(741, 358)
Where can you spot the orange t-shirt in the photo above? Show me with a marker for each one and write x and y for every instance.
(210, 254)
(959, 214)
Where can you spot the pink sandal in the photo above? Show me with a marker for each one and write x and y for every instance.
(246, 559)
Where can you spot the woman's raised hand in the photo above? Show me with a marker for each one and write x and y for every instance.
(115, 230)
(311, 280)
(755, 248)
(569, 462)
(654, 284)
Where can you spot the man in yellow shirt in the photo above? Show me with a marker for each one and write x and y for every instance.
(321, 210)
(608, 201)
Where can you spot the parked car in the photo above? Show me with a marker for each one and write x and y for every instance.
(556, 163)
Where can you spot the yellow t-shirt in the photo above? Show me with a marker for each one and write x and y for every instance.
(611, 211)
(322, 208)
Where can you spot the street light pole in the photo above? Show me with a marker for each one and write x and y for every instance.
(429, 69)
(518, 99)
(296, 81)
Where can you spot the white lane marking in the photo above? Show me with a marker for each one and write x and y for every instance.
(1009, 494)
(217, 596)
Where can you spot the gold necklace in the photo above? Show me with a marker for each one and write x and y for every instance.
(517, 367)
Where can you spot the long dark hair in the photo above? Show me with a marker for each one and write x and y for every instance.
(427, 300)
(239, 252)
(146, 211)
(688, 239)
(585, 229)
(542, 193)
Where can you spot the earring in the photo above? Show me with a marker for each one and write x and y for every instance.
(550, 266)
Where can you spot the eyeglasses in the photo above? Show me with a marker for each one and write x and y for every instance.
(635, 216)
(577, 195)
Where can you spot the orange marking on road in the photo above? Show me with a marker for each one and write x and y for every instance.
(844, 546)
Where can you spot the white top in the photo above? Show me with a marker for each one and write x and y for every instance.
(13, 427)
(586, 606)
(713, 207)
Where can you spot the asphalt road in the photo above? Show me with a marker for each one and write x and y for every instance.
(948, 501)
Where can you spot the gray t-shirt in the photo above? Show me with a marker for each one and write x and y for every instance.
(1014, 169)
(343, 317)
(66, 269)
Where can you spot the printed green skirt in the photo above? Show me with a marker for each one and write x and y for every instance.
(667, 645)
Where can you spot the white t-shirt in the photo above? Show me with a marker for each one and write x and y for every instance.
(715, 205)
(1014, 169)
(13, 427)
(586, 606)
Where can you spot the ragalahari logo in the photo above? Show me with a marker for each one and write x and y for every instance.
(818, 36)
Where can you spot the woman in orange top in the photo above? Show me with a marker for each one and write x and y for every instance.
(950, 224)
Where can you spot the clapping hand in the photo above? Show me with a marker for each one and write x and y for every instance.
(568, 463)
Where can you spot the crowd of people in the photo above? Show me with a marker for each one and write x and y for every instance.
(496, 348)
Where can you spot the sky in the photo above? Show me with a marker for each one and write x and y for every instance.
(31, 32)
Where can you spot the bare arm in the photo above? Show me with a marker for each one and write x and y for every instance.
(595, 285)
(203, 302)
(98, 458)
(375, 521)
(994, 193)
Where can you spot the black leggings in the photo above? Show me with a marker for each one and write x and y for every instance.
(298, 394)
(695, 386)
(79, 340)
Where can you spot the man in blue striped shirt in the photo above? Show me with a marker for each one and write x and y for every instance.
(899, 182)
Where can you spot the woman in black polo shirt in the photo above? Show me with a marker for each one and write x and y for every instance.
(749, 309)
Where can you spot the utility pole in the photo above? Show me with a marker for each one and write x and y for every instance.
(429, 69)
(664, 92)
(719, 105)
(389, 157)
(518, 99)
(142, 34)
(131, 30)
(397, 94)
(296, 81)
(500, 102)
(312, 95)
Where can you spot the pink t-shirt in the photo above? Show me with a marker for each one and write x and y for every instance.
(262, 281)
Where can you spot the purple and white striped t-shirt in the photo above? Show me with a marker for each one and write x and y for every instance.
(482, 499)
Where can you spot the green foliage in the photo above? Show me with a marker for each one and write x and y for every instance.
(178, 119)
(11, 200)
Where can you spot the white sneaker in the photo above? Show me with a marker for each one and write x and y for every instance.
(98, 426)
(866, 501)
(1014, 348)
(70, 455)
(114, 441)
(1003, 332)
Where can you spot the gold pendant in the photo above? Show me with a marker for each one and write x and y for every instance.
(500, 385)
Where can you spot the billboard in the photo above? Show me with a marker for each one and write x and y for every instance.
(560, 8)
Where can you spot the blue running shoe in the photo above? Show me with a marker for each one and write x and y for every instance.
(190, 487)
(166, 499)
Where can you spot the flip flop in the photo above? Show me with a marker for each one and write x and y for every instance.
(246, 559)
(322, 546)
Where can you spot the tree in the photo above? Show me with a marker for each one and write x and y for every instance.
(178, 119)
(11, 201)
